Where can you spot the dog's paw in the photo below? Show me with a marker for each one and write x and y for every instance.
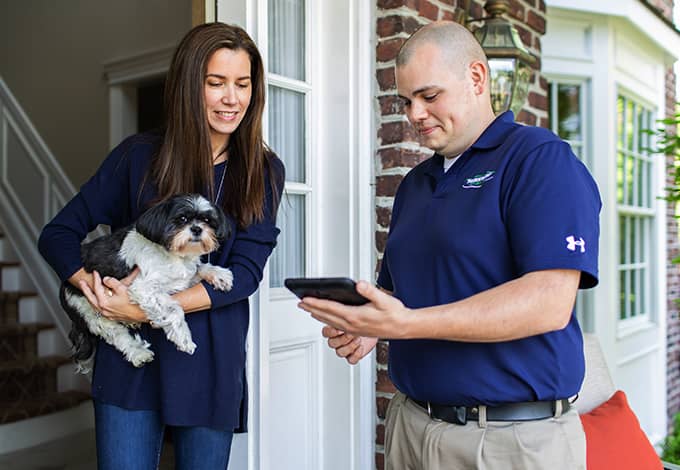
(139, 357)
(188, 347)
(223, 279)
(180, 335)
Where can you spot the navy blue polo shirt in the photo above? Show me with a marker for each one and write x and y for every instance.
(516, 201)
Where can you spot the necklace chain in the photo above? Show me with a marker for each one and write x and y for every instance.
(219, 189)
(217, 195)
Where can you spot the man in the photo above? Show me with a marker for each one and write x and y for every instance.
(489, 241)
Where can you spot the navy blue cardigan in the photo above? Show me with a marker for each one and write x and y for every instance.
(209, 387)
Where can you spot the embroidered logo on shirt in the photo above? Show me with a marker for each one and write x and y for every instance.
(478, 180)
(572, 243)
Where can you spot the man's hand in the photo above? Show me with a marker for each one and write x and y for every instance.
(383, 317)
(352, 348)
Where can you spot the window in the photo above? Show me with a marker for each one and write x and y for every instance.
(568, 119)
(634, 197)
(288, 101)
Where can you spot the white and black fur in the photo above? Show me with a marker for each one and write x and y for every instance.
(166, 243)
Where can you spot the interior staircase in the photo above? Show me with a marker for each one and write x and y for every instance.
(30, 370)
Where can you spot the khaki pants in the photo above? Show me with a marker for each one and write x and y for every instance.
(413, 441)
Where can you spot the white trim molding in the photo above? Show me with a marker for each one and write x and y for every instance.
(123, 74)
(638, 15)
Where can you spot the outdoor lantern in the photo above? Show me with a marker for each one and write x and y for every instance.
(509, 60)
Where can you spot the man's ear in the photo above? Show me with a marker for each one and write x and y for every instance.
(479, 73)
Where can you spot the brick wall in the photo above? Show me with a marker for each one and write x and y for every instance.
(664, 8)
(398, 149)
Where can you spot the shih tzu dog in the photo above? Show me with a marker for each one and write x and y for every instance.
(166, 244)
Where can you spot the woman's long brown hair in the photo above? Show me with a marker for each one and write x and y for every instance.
(184, 162)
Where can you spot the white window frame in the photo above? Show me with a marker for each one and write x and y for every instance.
(646, 316)
(306, 87)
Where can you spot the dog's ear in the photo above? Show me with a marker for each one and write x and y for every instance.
(223, 225)
(152, 224)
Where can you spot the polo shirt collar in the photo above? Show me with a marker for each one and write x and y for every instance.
(493, 136)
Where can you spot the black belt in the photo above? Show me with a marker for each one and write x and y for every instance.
(522, 411)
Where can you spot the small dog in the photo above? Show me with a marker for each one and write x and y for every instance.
(166, 244)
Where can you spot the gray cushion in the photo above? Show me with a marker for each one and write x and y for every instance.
(597, 386)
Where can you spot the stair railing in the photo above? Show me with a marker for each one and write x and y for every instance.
(33, 187)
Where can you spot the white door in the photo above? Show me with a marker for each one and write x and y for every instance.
(310, 410)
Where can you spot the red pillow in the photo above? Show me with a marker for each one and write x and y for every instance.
(614, 439)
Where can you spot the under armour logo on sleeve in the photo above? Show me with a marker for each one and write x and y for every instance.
(572, 243)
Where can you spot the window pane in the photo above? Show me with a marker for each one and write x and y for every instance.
(622, 295)
(287, 130)
(634, 189)
(288, 258)
(569, 111)
(629, 124)
(619, 177)
(287, 38)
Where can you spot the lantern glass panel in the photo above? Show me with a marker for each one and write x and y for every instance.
(521, 87)
(502, 77)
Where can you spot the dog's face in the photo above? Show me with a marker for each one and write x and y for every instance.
(187, 225)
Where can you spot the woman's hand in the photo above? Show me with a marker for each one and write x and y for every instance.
(110, 298)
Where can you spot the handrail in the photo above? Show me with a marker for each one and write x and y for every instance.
(33, 187)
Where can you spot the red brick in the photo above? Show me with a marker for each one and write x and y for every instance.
(538, 101)
(428, 10)
(384, 383)
(396, 132)
(381, 404)
(526, 117)
(388, 4)
(380, 241)
(380, 434)
(394, 157)
(390, 105)
(388, 49)
(537, 43)
(545, 122)
(382, 352)
(379, 461)
(516, 10)
(386, 79)
(387, 185)
(541, 6)
(536, 21)
(395, 24)
(382, 216)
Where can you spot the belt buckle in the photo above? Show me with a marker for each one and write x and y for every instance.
(459, 415)
(429, 413)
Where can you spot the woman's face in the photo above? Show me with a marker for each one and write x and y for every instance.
(227, 92)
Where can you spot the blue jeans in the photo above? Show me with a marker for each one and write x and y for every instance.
(133, 439)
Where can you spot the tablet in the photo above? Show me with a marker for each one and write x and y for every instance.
(340, 289)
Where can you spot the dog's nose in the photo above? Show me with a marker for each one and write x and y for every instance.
(196, 230)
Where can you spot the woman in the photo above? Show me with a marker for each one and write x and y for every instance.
(212, 144)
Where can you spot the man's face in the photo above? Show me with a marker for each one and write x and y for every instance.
(439, 102)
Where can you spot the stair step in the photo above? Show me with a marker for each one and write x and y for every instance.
(31, 407)
(20, 340)
(29, 378)
(9, 305)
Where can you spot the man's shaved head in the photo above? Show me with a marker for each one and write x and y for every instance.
(457, 45)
